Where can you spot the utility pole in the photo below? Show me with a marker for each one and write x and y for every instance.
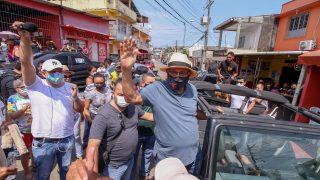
(176, 45)
(184, 35)
(206, 35)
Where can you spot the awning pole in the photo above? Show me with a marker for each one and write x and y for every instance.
(299, 85)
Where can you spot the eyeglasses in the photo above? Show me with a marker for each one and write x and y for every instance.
(21, 87)
(183, 73)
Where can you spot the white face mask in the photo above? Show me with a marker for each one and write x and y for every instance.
(121, 101)
(23, 92)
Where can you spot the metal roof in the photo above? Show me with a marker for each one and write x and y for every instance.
(247, 19)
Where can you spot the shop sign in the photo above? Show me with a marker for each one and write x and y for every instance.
(102, 50)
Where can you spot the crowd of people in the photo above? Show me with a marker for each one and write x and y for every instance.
(9, 48)
(123, 114)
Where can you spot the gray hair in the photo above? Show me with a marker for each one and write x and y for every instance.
(17, 83)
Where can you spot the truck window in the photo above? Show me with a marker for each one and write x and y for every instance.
(244, 154)
(62, 58)
(79, 60)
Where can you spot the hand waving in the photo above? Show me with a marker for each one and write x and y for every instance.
(23, 34)
(74, 91)
(83, 169)
(128, 54)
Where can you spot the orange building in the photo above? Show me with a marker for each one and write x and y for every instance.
(299, 29)
(299, 21)
(141, 34)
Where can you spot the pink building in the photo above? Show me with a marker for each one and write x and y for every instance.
(60, 25)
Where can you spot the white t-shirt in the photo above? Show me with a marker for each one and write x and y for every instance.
(236, 101)
(52, 110)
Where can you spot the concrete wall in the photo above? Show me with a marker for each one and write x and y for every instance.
(251, 34)
(268, 31)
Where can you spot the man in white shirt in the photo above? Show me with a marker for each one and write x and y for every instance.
(254, 101)
(53, 103)
(236, 100)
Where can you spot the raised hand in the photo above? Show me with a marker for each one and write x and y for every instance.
(83, 169)
(74, 92)
(7, 171)
(23, 34)
(128, 54)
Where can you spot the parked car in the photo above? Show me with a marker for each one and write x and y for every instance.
(245, 147)
(76, 62)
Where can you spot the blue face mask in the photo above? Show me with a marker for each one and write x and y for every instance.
(176, 83)
(55, 78)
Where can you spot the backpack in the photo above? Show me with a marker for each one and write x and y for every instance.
(6, 84)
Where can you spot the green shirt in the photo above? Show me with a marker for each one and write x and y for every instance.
(145, 128)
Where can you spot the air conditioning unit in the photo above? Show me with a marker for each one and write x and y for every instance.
(308, 45)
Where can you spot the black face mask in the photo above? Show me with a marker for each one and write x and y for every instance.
(100, 86)
(175, 84)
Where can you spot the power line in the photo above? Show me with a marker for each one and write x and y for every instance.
(188, 3)
(209, 5)
(197, 40)
(168, 11)
(187, 9)
(156, 9)
(180, 15)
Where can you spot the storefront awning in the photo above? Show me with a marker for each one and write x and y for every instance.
(269, 53)
(310, 58)
(72, 28)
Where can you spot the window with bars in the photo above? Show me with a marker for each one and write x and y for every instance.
(298, 25)
(122, 27)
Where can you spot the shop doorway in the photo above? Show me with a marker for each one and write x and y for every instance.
(94, 52)
(289, 75)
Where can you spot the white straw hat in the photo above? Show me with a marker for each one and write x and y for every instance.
(179, 60)
(172, 169)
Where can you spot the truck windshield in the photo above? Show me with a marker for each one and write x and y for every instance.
(244, 154)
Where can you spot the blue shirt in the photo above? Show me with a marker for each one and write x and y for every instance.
(176, 126)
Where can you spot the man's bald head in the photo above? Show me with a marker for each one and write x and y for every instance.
(147, 79)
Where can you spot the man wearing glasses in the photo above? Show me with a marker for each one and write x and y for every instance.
(174, 105)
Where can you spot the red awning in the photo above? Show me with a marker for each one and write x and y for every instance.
(310, 58)
(86, 31)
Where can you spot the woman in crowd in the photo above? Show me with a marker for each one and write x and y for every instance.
(89, 80)
(94, 99)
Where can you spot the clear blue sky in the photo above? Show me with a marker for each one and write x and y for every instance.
(166, 29)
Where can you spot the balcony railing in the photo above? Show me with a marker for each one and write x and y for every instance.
(141, 28)
(119, 36)
(123, 9)
(88, 5)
